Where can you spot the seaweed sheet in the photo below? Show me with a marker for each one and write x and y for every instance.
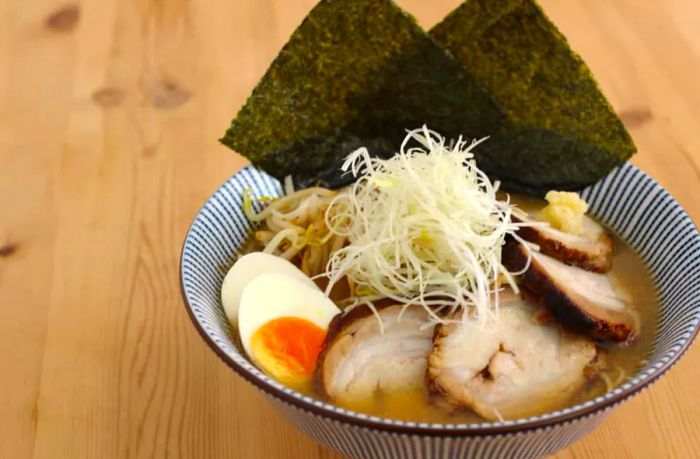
(354, 73)
(560, 132)
(360, 72)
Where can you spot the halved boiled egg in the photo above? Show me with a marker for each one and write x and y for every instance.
(282, 322)
(247, 268)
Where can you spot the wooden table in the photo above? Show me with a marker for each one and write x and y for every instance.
(110, 113)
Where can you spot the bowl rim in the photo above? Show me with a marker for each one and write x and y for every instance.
(548, 420)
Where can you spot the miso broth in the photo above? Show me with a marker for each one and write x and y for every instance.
(622, 360)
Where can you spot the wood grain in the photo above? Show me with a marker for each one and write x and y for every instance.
(110, 114)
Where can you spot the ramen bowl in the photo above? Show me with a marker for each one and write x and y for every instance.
(628, 201)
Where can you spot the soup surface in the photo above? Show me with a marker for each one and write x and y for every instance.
(623, 360)
(628, 274)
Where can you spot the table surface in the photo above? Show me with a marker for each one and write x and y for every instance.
(111, 111)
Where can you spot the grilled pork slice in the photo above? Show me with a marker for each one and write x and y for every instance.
(358, 359)
(509, 368)
(592, 250)
(583, 300)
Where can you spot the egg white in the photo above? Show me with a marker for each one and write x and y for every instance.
(273, 295)
(247, 268)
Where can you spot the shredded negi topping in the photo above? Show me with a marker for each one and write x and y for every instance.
(424, 227)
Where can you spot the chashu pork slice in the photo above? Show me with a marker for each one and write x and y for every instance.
(511, 367)
(358, 359)
(582, 300)
(591, 250)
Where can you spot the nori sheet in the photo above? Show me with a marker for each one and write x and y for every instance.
(360, 72)
(560, 132)
(354, 73)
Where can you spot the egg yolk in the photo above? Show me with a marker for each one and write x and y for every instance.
(287, 348)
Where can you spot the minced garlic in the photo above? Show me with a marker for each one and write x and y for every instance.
(565, 211)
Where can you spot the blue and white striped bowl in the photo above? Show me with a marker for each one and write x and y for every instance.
(627, 200)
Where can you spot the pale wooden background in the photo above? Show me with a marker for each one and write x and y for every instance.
(109, 115)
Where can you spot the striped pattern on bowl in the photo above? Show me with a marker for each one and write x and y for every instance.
(627, 200)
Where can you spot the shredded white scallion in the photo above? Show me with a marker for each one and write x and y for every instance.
(288, 185)
(424, 227)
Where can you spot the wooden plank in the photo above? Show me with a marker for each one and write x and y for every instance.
(33, 39)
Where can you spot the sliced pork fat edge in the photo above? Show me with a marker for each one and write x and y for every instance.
(358, 359)
(592, 250)
(585, 301)
(510, 368)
